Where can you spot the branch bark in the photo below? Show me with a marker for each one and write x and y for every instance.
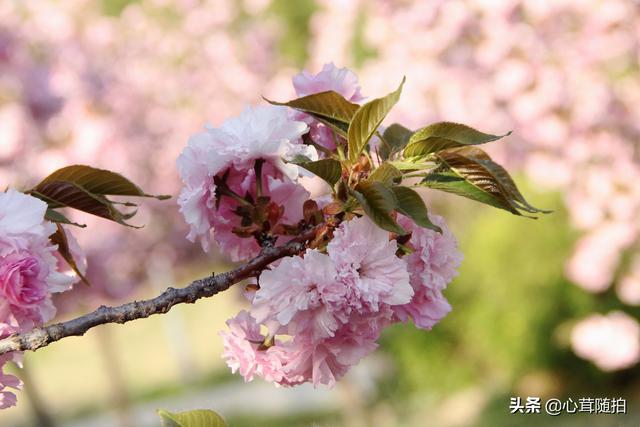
(201, 288)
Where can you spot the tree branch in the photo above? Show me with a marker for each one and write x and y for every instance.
(201, 288)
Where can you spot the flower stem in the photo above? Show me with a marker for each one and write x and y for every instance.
(339, 148)
(224, 190)
(258, 168)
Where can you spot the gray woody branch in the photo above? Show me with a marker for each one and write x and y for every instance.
(201, 288)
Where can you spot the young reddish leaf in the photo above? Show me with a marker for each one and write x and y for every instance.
(273, 212)
(309, 210)
(445, 135)
(333, 208)
(60, 238)
(248, 231)
(98, 181)
(366, 121)
(378, 201)
(67, 194)
(286, 229)
(84, 188)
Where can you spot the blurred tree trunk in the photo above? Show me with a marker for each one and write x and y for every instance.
(41, 415)
(160, 272)
(115, 375)
(353, 410)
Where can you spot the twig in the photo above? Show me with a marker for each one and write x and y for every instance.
(201, 288)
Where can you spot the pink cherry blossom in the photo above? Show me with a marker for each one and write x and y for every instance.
(597, 254)
(28, 273)
(367, 264)
(611, 342)
(21, 221)
(7, 381)
(327, 360)
(28, 267)
(243, 353)
(340, 80)
(198, 163)
(282, 191)
(303, 358)
(628, 288)
(432, 265)
(303, 293)
(257, 133)
(24, 292)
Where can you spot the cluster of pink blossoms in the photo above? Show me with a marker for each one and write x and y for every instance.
(29, 273)
(313, 315)
(333, 306)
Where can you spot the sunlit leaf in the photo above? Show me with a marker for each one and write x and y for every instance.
(409, 203)
(378, 202)
(328, 169)
(395, 138)
(196, 418)
(387, 174)
(470, 172)
(98, 181)
(408, 166)
(329, 107)
(445, 179)
(366, 121)
(445, 135)
(60, 238)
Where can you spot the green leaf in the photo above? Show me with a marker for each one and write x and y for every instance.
(449, 181)
(98, 181)
(387, 174)
(60, 238)
(470, 172)
(329, 107)
(408, 166)
(197, 418)
(59, 194)
(340, 127)
(445, 135)
(58, 218)
(378, 201)
(298, 159)
(394, 139)
(409, 203)
(366, 121)
(328, 169)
